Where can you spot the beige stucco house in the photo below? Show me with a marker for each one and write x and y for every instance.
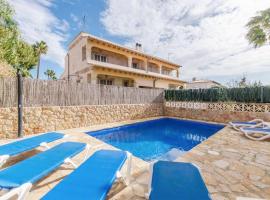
(98, 61)
(202, 84)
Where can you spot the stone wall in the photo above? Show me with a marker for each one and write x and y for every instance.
(50, 118)
(217, 112)
(42, 119)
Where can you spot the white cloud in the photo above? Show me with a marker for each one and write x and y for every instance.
(74, 18)
(37, 22)
(207, 37)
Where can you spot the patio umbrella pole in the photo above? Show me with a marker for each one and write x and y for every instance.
(20, 107)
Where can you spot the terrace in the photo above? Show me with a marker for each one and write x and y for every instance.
(231, 165)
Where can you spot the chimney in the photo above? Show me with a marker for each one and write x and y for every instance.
(138, 47)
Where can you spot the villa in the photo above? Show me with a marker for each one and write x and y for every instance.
(202, 84)
(98, 61)
(122, 124)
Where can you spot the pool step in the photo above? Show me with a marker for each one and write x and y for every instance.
(172, 155)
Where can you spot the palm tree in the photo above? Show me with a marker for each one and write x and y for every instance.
(259, 29)
(50, 74)
(40, 48)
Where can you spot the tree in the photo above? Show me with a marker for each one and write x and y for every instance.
(243, 82)
(50, 74)
(13, 49)
(40, 48)
(9, 33)
(259, 29)
(27, 58)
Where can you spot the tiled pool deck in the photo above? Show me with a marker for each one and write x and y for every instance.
(231, 165)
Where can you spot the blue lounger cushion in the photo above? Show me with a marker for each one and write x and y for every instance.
(174, 180)
(257, 130)
(38, 166)
(244, 123)
(92, 180)
(27, 144)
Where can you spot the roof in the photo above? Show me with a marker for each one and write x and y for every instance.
(83, 34)
(204, 81)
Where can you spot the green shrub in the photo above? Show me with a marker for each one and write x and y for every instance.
(245, 95)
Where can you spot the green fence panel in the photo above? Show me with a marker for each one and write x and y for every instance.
(245, 95)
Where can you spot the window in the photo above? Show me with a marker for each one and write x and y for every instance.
(103, 59)
(125, 83)
(105, 82)
(83, 53)
(166, 72)
(135, 65)
(88, 78)
(100, 58)
(171, 86)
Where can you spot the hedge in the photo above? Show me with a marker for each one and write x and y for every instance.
(244, 95)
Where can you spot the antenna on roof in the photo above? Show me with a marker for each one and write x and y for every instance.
(83, 24)
(169, 54)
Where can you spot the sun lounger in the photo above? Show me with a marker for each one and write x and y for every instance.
(27, 144)
(19, 178)
(251, 124)
(94, 178)
(249, 133)
(175, 180)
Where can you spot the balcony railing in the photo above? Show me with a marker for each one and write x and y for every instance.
(153, 69)
(171, 73)
(138, 67)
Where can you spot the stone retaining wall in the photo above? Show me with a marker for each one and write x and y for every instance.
(42, 119)
(217, 112)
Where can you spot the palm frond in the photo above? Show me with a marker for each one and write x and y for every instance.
(257, 36)
(259, 29)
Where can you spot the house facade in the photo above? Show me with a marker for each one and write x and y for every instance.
(203, 84)
(98, 61)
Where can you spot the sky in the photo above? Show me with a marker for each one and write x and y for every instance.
(206, 37)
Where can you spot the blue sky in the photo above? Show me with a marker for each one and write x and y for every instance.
(71, 14)
(206, 37)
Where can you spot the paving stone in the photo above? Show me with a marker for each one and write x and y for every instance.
(221, 164)
(218, 197)
(213, 152)
(254, 170)
(139, 190)
(263, 159)
(224, 188)
(238, 188)
(143, 179)
(254, 177)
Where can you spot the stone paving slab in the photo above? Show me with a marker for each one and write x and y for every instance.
(231, 165)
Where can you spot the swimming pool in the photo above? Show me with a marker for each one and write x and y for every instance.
(161, 139)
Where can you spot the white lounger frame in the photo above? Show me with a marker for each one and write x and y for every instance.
(248, 134)
(151, 168)
(127, 177)
(23, 190)
(4, 158)
(260, 123)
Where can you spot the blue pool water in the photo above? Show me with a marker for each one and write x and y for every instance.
(157, 139)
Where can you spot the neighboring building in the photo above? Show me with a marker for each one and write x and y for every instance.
(98, 61)
(202, 84)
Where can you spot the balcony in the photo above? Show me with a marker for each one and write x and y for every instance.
(107, 59)
(138, 64)
(169, 72)
(153, 68)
